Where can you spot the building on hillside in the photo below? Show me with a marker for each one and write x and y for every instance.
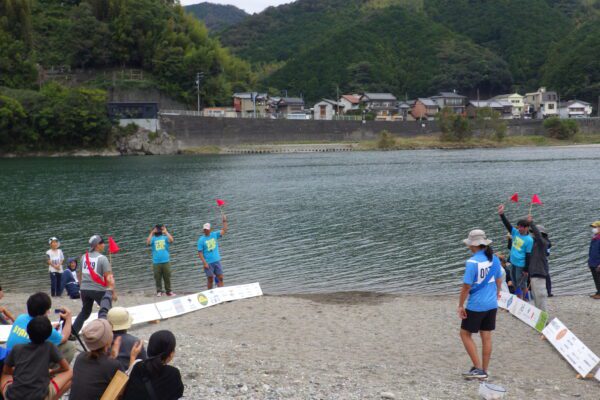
(424, 108)
(327, 109)
(543, 102)
(383, 105)
(351, 102)
(517, 101)
(503, 107)
(290, 105)
(142, 114)
(451, 100)
(575, 109)
(250, 104)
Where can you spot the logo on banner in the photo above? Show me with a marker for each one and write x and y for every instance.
(202, 299)
(561, 334)
(509, 302)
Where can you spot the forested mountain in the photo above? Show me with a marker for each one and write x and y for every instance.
(216, 17)
(42, 110)
(156, 36)
(422, 46)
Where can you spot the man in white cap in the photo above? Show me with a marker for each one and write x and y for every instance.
(208, 251)
(96, 280)
(481, 283)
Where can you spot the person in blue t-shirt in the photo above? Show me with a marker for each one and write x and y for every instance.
(160, 240)
(520, 251)
(482, 282)
(39, 304)
(208, 251)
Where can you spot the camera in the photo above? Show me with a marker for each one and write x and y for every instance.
(158, 230)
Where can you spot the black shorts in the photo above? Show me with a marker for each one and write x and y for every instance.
(479, 321)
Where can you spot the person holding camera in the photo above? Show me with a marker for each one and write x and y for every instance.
(160, 240)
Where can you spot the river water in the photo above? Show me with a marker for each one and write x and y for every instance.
(374, 221)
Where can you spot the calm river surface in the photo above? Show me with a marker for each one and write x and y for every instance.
(375, 221)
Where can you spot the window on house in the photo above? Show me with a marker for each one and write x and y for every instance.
(550, 106)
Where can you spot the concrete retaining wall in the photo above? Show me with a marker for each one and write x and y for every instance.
(194, 131)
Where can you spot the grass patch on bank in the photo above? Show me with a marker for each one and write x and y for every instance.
(434, 142)
(201, 150)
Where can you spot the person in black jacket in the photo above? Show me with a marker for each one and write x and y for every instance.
(594, 258)
(538, 264)
(154, 379)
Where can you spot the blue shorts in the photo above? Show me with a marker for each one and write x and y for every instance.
(214, 269)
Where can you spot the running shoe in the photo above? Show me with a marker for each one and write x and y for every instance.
(171, 294)
(158, 294)
(475, 373)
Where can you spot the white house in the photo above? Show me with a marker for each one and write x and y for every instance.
(326, 109)
(350, 102)
(575, 109)
(517, 102)
(545, 104)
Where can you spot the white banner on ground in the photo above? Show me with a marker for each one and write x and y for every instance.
(530, 314)
(570, 347)
(143, 313)
(178, 306)
(506, 300)
(193, 302)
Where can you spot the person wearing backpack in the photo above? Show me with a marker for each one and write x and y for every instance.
(154, 379)
(482, 282)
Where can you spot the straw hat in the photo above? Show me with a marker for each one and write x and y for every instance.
(477, 238)
(119, 318)
(595, 224)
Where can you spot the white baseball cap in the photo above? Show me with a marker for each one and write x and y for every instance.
(206, 226)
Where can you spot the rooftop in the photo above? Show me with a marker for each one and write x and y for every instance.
(380, 96)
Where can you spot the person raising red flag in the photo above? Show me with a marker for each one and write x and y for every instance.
(113, 247)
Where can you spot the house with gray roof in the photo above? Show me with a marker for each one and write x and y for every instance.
(451, 100)
(384, 105)
(502, 107)
(424, 108)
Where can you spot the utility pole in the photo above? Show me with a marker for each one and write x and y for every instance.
(598, 107)
(337, 99)
(199, 76)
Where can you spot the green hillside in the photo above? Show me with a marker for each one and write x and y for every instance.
(217, 17)
(396, 50)
(157, 37)
(417, 46)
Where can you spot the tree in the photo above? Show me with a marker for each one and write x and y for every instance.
(13, 121)
(454, 127)
(489, 124)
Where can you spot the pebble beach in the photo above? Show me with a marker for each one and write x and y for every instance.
(358, 345)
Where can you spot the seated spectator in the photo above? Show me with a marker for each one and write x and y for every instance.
(6, 317)
(164, 380)
(69, 279)
(25, 373)
(39, 305)
(94, 370)
(120, 320)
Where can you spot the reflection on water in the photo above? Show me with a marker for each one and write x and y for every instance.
(376, 221)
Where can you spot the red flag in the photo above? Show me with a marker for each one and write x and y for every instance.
(536, 200)
(220, 202)
(515, 198)
(112, 246)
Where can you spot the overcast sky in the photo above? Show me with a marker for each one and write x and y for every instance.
(250, 6)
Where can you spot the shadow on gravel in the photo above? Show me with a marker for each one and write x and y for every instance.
(346, 298)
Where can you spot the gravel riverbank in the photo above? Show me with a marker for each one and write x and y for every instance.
(359, 346)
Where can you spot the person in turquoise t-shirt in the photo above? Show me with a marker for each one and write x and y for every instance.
(160, 240)
(520, 251)
(208, 251)
(482, 282)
